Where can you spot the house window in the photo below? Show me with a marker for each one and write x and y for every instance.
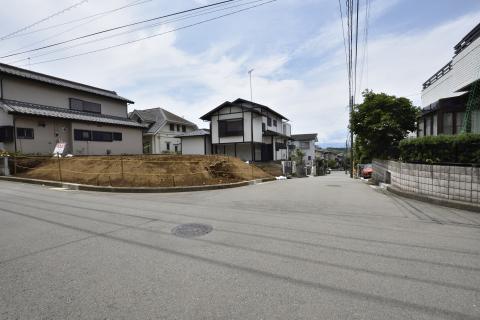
(176, 148)
(420, 130)
(178, 127)
(6, 134)
(263, 127)
(101, 136)
(274, 123)
(184, 128)
(172, 127)
(230, 128)
(85, 106)
(269, 121)
(82, 135)
(448, 123)
(309, 158)
(168, 145)
(304, 145)
(475, 121)
(459, 122)
(24, 133)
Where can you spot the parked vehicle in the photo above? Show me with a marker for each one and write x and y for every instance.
(367, 171)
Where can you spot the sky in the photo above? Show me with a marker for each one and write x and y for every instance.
(294, 46)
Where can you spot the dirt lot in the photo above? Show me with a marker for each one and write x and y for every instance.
(139, 171)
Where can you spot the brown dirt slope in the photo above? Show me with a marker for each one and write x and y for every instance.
(140, 171)
(272, 168)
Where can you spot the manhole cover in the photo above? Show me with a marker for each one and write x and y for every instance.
(190, 230)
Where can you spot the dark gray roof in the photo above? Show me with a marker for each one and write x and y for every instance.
(18, 107)
(195, 133)
(23, 73)
(158, 117)
(305, 137)
(244, 104)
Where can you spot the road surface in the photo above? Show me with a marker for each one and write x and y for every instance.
(314, 248)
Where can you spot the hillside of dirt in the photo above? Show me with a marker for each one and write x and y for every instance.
(139, 171)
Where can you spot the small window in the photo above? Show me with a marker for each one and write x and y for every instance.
(6, 134)
(172, 127)
(24, 133)
(176, 148)
(304, 145)
(184, 128)
(117, 136)
(178, 127)
(168, 145)
(269, 121)
(309, 158)
(448, 123)
(263, 126)
(274, 123)
(85, 106)
(82, 135)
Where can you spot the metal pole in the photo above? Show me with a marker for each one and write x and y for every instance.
(351, 138)
(251, 90)
(59, 168)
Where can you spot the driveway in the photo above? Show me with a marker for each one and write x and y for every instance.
(314, 248)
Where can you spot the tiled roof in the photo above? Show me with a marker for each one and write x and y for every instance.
(18, 107)
(195, 133)
(244, 104)
(157, 117)
(23, 73)
(304, 137)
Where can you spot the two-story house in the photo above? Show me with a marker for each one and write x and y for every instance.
(37, 111)
(445, 95)
(248, 130)
(306, 143)
(163, 128)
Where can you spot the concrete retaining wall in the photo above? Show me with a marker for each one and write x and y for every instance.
(457, 183)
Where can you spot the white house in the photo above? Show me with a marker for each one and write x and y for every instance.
(445, 94)
(37, 111)
(248, 130)
(306, 143)
(162, 130)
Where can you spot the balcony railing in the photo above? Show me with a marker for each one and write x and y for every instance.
(440, 73)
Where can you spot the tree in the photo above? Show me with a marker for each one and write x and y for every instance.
(380, 123)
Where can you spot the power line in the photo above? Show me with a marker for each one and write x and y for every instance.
(154, 35)
(202, 12)
(94, 18)
(115, 28)
(43, 20)
(76, 20)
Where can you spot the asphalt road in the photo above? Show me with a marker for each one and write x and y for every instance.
(313, 248)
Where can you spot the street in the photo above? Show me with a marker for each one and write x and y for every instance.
(314, 248)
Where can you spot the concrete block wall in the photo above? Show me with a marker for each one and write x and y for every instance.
(4, 171)
(460, 183)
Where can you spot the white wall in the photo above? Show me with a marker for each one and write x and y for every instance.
(40, 93)
(193, 145)
(247, 126)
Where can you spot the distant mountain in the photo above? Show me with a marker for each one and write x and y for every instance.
(335, 145)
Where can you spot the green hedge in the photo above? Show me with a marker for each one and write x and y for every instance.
(462, 148)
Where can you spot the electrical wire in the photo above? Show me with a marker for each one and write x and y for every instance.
(205, 12)
(96, 17)
(154, 35)
(42, 20)
(116, 28)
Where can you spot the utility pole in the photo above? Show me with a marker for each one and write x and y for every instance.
(251, 90)
(351, 138)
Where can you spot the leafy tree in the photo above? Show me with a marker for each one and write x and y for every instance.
(380, 123)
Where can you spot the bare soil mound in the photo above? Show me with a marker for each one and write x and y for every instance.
(140, 171)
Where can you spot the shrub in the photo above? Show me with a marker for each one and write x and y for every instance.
(463, 148)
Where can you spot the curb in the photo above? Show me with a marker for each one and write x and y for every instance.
(85, 187)
(434, 200)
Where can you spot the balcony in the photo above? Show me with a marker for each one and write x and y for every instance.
(440, 73)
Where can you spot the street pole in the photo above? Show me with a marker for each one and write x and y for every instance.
(351, 138)
(251, 90)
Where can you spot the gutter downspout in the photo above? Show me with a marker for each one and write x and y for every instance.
(15, 132)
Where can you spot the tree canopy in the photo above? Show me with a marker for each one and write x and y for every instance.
(380, 123)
